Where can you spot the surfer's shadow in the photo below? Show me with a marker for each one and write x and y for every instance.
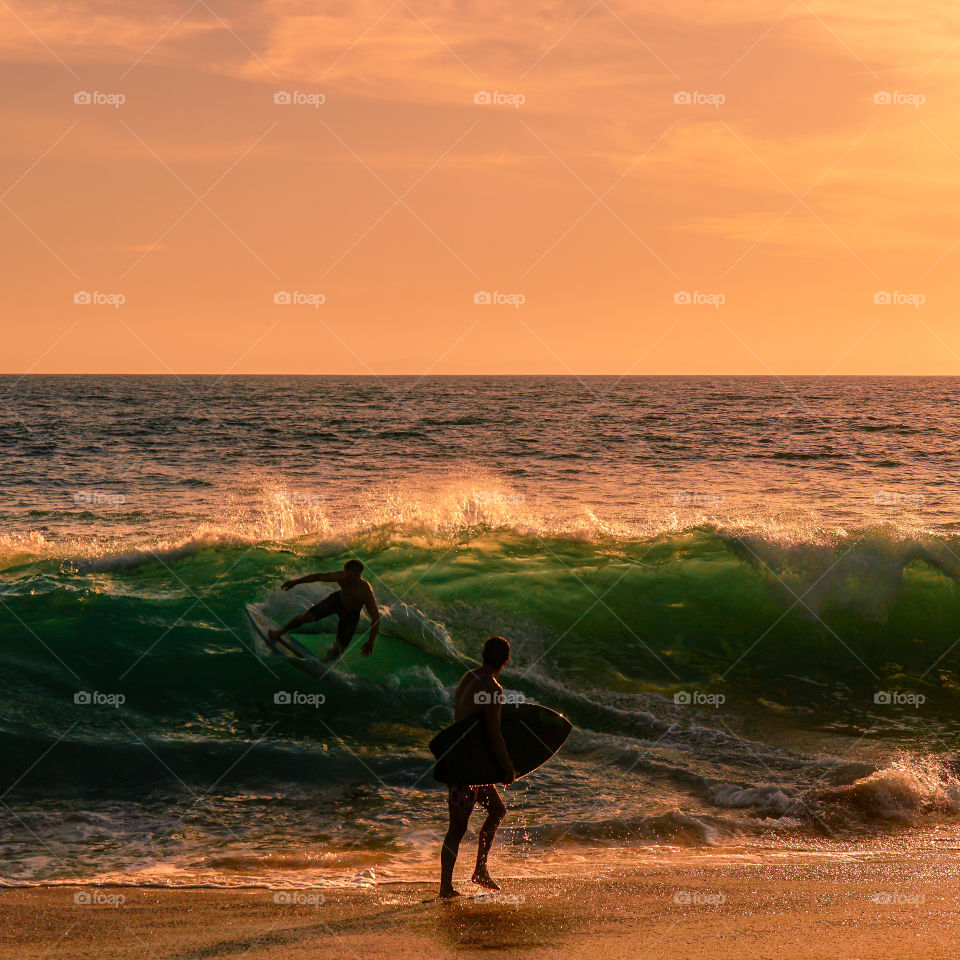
(473, 924)
(497, 921)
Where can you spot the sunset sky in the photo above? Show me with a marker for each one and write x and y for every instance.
(783, 200)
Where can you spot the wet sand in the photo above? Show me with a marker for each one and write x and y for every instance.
(881, 905)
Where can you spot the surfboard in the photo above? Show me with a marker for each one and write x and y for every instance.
(532, 733)
(294, 652)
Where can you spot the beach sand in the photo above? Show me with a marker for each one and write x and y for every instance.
(885, 904)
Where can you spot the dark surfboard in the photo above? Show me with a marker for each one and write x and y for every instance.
(532, 733)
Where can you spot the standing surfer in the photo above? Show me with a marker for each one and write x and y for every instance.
(354, 594)
(478, 690)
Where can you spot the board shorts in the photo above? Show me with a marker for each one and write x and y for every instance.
(348, 621)
(466, 796)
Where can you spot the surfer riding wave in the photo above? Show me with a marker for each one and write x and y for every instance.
(354, 595)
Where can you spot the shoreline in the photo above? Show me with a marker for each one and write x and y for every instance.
(895, 904)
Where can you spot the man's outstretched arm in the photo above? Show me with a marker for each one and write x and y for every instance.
(374, 611)
(333, 577)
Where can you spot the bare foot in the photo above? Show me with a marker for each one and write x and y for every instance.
(483, 879)
(274, 635)
(448, 893)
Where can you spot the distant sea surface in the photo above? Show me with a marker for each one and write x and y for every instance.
(742, 591)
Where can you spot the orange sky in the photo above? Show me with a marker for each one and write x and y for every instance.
(599, 201)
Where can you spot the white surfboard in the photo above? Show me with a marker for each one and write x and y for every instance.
(294, 652)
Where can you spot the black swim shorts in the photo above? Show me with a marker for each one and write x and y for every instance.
(348, 618)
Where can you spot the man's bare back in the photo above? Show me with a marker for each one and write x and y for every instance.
(355, 592)
(473, 682)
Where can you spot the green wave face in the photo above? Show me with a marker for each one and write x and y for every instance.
(805, 627)
(716, 686)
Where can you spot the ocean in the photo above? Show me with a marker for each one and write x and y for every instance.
(742, 591)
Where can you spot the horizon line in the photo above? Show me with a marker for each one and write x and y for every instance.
(438, 376)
